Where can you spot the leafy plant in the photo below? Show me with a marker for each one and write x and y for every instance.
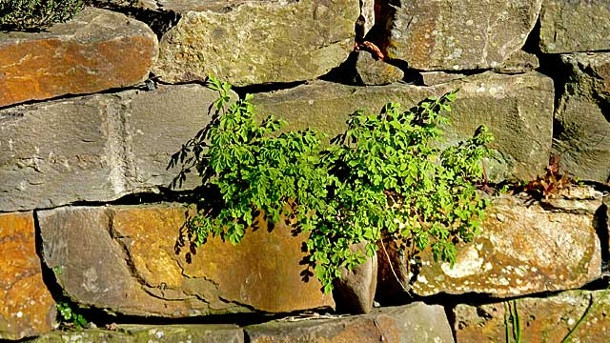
(385, 176)
(552, 182)
(29, 15)
(69, 317)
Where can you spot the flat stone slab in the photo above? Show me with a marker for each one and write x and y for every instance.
(416, 322)
(525, 247)
(518, 110)
(571, 26)
(542, 320)
(582, 121)
(98, 147)
(456, 34)
(126, 259)
(149, 334)
(258, 42)
(26, 306)
(95, 51)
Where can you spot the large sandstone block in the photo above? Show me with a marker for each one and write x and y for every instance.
(416, 322)
(124, 259)
(98, 147)
(149, 333)
(95, 51)
(542, 320)
(582, 118)
(456, 34)
(571, 26)
(26, 306)
(525, 247)
(258, 41)
(518, 109)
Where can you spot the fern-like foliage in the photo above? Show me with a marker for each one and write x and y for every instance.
(386, 176)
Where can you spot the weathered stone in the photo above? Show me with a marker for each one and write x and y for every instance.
(375, 72)
(525, 247)
(571, 26)
(455, 34)
(259, 42)
(124, 259)
(366, 21)
(518, 110)
(96, 148)
(433, 78)
(95, 51)
(416, 322)
(355, 291)
(518, 62)
(26, 306)
(149, 334)
(582, 118)
(541, 319)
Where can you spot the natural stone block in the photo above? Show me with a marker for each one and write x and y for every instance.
(95, 51)
(518, 62)
(149, 333)
(125, 259)
(541, 319)
(455, 34)
(518, 110)
(259, 41)
(582, 120)
(354, 291)
(98, 147)
(26, 306)
(571, 26)
(416, 322)
(374, 72)
(525, 247)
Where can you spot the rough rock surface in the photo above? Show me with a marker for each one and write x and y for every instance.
(571, 26)
(374, 72)
(125, 259)
(96, 148)
(542, 320)
(525, 247)
(149, 334)
(26, 306)
(416, 322)
(455, 34)
(518, 110)
(518, 62)
(355, 291)
(583, 118)
(259, 41)
(95, 51)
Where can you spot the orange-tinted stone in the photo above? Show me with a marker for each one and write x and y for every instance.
(95, 51)
(26, 306)
(124, 258)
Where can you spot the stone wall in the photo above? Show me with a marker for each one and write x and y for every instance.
(92, 109)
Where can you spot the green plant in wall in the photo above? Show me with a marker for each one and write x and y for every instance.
(386, 176)
(69, 317)
(36, 14)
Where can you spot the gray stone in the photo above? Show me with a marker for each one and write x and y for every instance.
(518, 109)
(582, 119)
(518, 62)
(571, 26)
(433, 78)
(374, 72)
(149, 334)
(129, 260)
(544, 320)
(259, 41)
(455, 34)
(525, 247)
(355, 291)
(416, 322)
(98, 147)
